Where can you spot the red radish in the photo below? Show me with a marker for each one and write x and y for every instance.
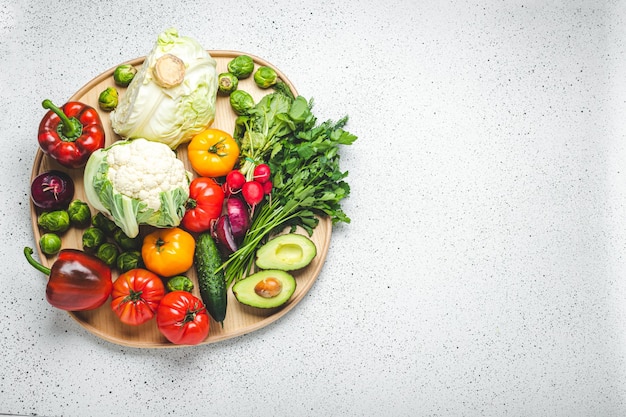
(252, 192)
(267, 187)
(235, 180)
(223, 234)
(262, 173)
(238, 216)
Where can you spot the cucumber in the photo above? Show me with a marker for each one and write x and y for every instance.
(212, 284)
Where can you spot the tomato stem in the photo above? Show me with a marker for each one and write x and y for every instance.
(159, 244)
(133, 296)
(191, 204)
(190, 314)
(217, 147)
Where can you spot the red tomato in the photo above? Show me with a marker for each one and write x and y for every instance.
(136, 296)
(204, 205)
(182, 318)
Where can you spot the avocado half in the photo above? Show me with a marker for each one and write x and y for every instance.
(265, 289)
(286, 252)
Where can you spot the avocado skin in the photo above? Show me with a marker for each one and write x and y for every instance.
(245, 294)
(286, 252)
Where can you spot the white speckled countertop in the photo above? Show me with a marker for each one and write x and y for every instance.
(484, 271)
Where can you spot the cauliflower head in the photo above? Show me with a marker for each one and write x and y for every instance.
(137, 182)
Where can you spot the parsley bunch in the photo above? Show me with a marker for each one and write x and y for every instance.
(307, 178)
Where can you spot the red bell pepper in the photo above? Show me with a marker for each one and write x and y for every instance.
(77, 281)
(70, 134)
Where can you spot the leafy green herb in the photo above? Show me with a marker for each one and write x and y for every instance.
(304, 159)
(276, 116)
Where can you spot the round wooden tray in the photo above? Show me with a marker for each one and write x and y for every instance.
(240, 319)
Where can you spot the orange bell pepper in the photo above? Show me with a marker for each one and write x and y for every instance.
(168, 252)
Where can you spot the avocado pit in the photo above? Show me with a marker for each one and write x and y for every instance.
(268, 288)
(265, 289)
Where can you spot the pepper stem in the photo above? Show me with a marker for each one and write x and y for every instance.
(28, 252)
(69, 128)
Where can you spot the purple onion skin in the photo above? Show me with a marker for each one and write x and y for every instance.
(238, 215)
(223, 234)
(52, 190)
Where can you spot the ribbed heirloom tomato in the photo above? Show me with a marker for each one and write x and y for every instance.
(168, 252)
(213, 153)
(204, 205)
(182, 318)
(136, 296)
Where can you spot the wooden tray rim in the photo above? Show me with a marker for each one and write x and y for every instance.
(322, 253)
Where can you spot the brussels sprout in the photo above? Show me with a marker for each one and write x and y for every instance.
(79, 213)
(54, 221)
(129, 260)
(50, 243)
(227, 83)
(180, 283)
(125, 242)
(108, 253)
(241, 66)
(265, 77)
(241, 102)
(103, 223)
(108, 99)
(93, 237)
(124, 74)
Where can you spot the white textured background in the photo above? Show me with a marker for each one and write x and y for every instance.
(483, 273)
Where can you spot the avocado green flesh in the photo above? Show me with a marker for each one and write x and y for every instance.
(245, 293)
(286, 252)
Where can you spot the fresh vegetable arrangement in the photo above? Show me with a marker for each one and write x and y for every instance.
(237, 221)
